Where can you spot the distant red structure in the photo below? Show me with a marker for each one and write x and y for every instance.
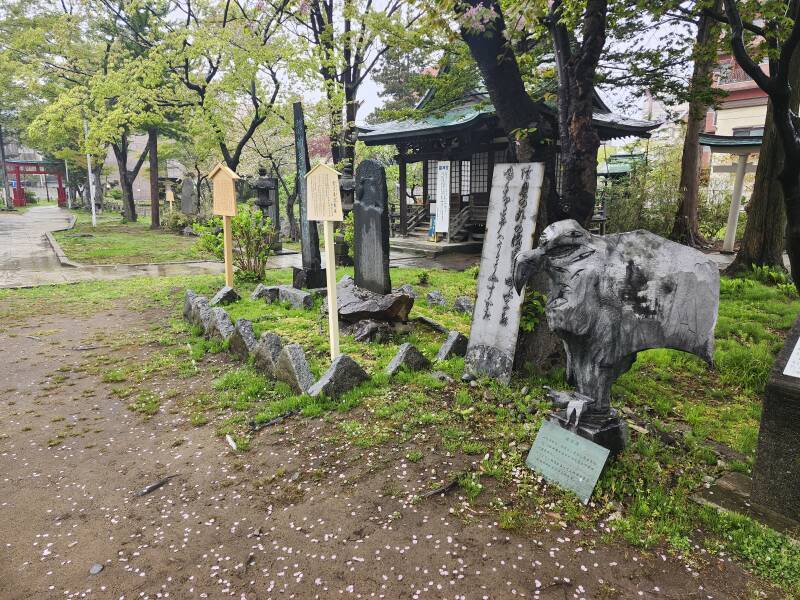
(18, 168)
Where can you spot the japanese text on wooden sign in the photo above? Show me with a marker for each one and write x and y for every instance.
(224, 184)
(442, 196)
(324, 197)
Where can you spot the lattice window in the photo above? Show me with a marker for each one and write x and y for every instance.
(455, 177)
(500, 156)
(431, 166)
(465, 179)
(479, 173)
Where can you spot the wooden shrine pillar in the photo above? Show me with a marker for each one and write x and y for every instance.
(401, 160)
(19, 193)
(736, 203)
(62, 194)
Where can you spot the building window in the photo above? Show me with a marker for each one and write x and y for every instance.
(455, 177)
(465, 179)
(479, 173)
(755, 130)
(431, 166)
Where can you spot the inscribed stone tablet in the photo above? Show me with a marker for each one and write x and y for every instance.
(442, 196)
(567, 459)
(324, 197)
(513, 206)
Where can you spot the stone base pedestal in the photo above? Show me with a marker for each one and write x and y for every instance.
(308, 278)
(608, 430)
(776, 473)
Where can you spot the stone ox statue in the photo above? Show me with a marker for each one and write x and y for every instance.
(610, 297)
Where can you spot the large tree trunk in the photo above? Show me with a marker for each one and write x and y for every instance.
(763, 240)
(125, 182)
(579, 142)
(97, 171)
(686, 229)
(152, 145)
(500, 72)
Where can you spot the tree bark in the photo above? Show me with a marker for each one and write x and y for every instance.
(762, 242)
(578, 139)
(97, 171)
(152, 146)
(127, 176)
(686, 228)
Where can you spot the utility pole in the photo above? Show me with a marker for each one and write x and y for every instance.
(89, 171)
(6, 190)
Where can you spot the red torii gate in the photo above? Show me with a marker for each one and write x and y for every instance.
(18, 168)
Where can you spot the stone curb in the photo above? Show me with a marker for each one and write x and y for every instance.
(62, 258)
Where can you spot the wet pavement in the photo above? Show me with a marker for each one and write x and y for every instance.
(27, 259)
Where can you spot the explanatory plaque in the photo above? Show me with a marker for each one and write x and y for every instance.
(567, 459)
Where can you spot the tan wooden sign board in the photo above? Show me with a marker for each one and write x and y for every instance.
(324, 201)
(224, 184)
(170, 198)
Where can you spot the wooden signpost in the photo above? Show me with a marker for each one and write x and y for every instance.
(224, 182)
(325, 204)
(170, 198)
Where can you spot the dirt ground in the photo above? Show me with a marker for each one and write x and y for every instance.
(297, 516)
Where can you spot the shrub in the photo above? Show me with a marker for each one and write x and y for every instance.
(176, 221)
(253, 236)
(349, 232)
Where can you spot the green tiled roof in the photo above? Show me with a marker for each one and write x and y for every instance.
(729, 141)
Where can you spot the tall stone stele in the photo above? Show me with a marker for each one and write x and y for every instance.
(610, 297)
(371, 223)
(188, 195)
(776, 473)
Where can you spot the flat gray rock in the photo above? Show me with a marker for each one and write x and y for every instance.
(265, 354)
(454, 345)
(463, 304)
(188, 299)
(435, 298)
(292, 367)
(269, 293)
(243, 340)
(370, 330)
(406, 288)
(356, 304)
(409, 357)
(442, 376)
(95, 569)
(343, 375)
(220, 325)
(224, 296)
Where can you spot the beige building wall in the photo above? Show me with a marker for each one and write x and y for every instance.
(746, 116)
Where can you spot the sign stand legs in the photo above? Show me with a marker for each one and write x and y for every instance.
(226, 230)
(330, 272)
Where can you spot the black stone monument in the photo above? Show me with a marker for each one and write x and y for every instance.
(311, 275)
(776, 473)
(371, 222)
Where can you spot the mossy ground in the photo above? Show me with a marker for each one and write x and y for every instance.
(644, 497)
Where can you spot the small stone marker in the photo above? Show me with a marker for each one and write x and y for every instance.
(201, 313)
(435, 298)
(266, 352)
(220, 325)
(567, 459)
(409, 357)
(292, 368)
(225, 295)
(343, 375)
(516, 189)
(325, 204)
(454, 345)
(188, 196)
(224, 183)
(371, 228)
(267, 200)
(776, 472)
(188, 300)
(269, 293)
(243, 340)
(356, 304)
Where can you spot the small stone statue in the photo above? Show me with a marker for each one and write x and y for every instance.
(610, 297)
(267, 201)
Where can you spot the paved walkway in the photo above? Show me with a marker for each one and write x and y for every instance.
(27, 259)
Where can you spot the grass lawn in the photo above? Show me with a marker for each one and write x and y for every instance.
(643, 498)
(115, 242)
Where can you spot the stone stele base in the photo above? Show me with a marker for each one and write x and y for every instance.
(609, 431)
(303, 279)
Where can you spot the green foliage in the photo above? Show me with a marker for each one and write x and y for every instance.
(532, 310)
(253, 236)
(177, 221)
(349, 232)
